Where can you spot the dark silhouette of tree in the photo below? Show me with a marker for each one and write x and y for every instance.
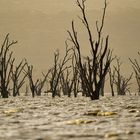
(37, 85)
(122, 83)
(66, 83)
(136, 68)
(6, 66)
(18, 77)
(57, 70)
(94, 70)
(70, 80)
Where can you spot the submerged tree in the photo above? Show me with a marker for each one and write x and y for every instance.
(93, 74)
(37, 85)
(122, 83)
(6, 66)
(18, 77)
(57, 71)
(70, 80)
(136, 68)
(75, 78)
(66, 83)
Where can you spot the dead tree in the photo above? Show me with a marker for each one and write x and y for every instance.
(70, 80)
(87, 69)
(57, 70)
(41, 83)
(36, 86)
(6, 65)
(66, 83)
(32, 84)
(101, 56)
(18, 77)
(54, 87)
(136, 68)
(122, 84)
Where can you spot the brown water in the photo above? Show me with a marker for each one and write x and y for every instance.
(44, 118)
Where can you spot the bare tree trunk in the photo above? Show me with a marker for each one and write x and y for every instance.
(102, 88)
(111, 80)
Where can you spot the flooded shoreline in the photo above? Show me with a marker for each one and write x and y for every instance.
(44, 118)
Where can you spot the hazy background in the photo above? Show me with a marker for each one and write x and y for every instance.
(40, 26)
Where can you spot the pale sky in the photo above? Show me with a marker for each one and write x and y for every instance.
(40, 26)
(55, 6)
